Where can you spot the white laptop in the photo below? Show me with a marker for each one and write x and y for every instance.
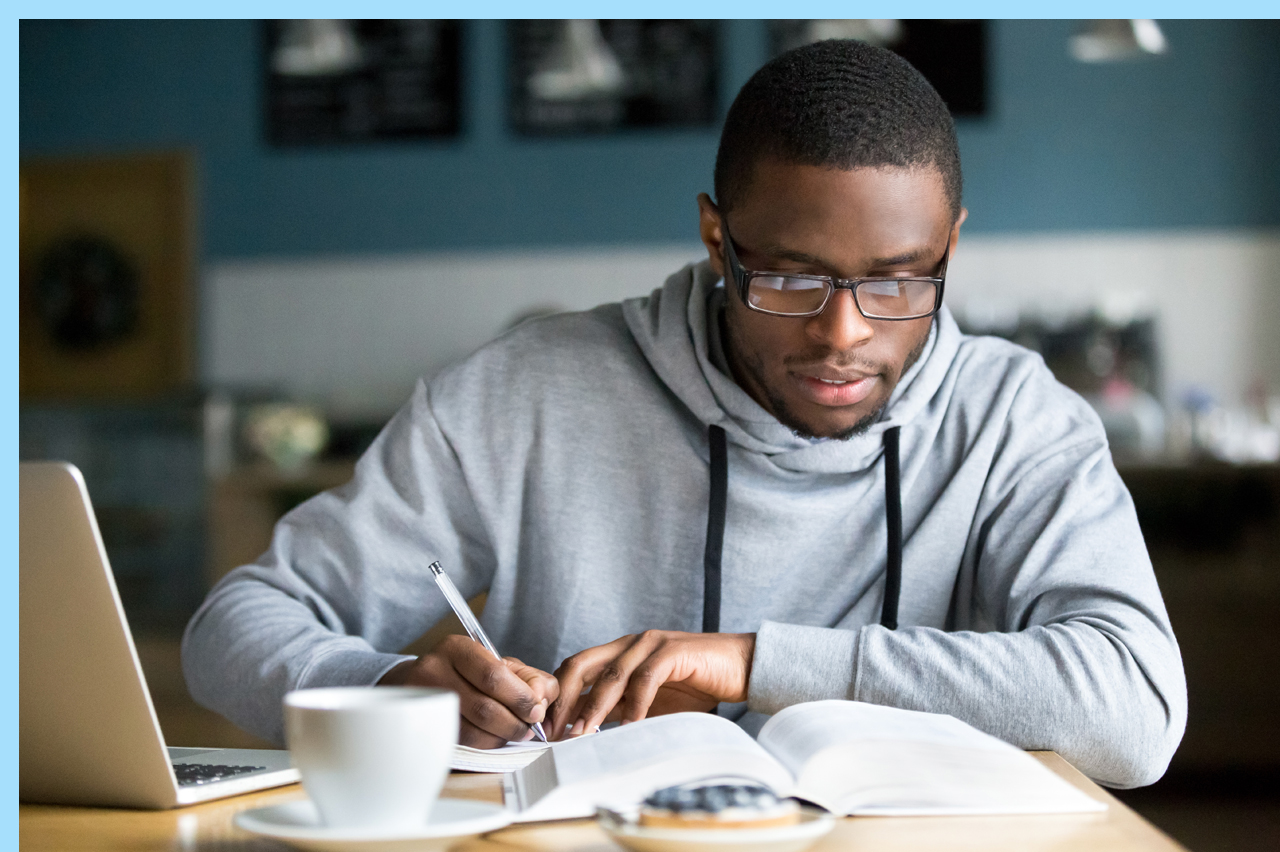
(88, 730)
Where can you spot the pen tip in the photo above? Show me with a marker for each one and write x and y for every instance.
(435, 567)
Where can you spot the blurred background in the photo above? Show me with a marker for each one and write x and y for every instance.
(241, 243)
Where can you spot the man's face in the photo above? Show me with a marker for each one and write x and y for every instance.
(828, 376)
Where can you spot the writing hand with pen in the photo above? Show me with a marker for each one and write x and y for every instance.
(634, 676)
(500, 698)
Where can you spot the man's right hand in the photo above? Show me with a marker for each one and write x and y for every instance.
(499, 699)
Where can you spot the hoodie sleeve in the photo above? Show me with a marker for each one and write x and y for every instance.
(344, 585)
(1076, 654)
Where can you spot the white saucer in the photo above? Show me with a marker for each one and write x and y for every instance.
(298, 824)
(783, 838)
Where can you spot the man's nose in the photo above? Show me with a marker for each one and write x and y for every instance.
(841, 326)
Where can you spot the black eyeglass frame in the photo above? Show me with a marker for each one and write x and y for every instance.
(742, 277)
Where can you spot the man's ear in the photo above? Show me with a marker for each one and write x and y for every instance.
(955, 230)
(712, 233)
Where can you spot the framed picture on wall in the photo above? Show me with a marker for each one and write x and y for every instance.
(584, 76)
(105, 267)
(335, 81)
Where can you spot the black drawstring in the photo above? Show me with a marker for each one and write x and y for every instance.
(715, 529)
(893, 521)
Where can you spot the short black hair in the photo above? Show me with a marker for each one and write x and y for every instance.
(840, 104)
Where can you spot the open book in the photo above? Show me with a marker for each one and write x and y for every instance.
(848, 757)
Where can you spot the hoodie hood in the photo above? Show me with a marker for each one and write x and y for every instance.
(674, 328)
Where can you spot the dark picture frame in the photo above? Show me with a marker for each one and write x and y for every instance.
(357, 81)
(629, 74)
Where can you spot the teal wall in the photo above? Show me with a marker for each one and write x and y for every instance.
(1188, 140)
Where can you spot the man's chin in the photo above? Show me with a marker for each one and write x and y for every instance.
(858, 427)
(834, 428)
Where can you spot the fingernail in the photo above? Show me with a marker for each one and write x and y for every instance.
(578, 727)
(528, 735)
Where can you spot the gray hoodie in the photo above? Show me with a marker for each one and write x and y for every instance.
(564, 467)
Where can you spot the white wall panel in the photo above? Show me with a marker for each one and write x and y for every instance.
(355, 332)
(1215, 295)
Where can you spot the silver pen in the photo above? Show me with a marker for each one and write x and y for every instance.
(469, 621)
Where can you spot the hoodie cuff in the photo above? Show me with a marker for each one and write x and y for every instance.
(794, 663)
(349, 667)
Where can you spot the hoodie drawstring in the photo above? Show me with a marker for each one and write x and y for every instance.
(715, 529)
(893, 521)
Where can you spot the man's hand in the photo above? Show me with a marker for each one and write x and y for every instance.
(499, 700)
(650, 674)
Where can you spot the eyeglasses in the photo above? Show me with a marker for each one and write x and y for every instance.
(798, 295)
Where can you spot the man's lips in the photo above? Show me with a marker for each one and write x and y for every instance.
(835, 389)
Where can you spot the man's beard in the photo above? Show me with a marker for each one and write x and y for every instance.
(787, 418)
(778, 406)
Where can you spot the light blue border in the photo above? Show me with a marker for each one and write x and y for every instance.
(9, 438)
(649, 9)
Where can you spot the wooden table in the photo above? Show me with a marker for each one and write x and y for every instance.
(209, 827)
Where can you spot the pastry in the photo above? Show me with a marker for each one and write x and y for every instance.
(718, 806)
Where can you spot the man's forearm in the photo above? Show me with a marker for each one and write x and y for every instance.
(1072, 687)
(250, 643)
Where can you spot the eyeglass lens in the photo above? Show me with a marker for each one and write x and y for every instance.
(906, 298)
(779, 294)
(888, 298)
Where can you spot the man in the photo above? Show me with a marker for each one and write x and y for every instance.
(729, 477)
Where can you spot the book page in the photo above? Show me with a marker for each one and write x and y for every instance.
(799, 732)
(620, 767)
(856, 758)
(507, 758)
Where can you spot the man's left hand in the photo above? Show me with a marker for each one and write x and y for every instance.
(650, 674)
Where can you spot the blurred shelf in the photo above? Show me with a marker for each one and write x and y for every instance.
(1213, 532)
(245, 503)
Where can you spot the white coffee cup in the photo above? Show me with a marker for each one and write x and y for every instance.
(372, 757)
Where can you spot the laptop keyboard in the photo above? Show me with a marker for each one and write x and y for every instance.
(190, 774)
